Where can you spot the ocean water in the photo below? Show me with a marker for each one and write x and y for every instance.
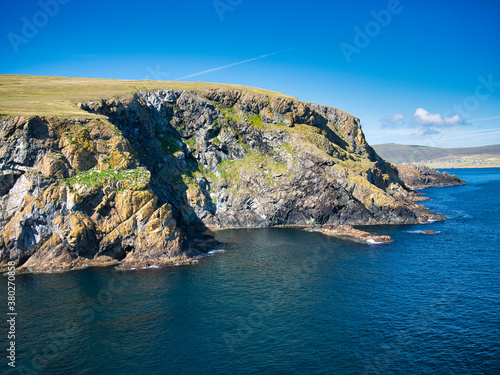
(284, 301)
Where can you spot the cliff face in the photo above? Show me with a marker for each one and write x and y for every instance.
(142, 182)
(418, 176)
(74, 192)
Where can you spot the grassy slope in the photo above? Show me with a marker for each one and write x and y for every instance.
(58, 96)
(486, 156)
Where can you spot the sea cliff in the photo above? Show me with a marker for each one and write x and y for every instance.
(140, 178)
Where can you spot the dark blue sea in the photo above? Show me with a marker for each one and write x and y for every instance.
(284, 301)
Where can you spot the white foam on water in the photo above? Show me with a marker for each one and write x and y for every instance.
(420, 231)
(373, 242)
(216, 251)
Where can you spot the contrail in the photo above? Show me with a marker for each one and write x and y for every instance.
(484, 119)
(227, 66)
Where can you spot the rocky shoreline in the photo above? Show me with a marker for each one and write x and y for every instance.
(83, 263)
(419, 176)
(145, 177)
(346, 232)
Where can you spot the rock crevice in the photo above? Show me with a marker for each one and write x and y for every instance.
(143, 180)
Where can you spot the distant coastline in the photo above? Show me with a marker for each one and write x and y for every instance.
(471, 167)
(441, 158)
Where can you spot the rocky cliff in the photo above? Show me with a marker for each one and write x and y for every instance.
(418, 176)
(143, 177)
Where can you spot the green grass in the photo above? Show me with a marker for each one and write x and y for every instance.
(359, 165)
(133, 179)
(58, 96)
(257, 122)
(191, 143)
(169, 144)
(252, 163)
(193, 172)
(226, 170)
(230, 113)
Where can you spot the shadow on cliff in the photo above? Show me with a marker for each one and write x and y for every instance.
(158, 147)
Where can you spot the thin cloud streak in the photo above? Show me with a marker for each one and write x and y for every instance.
(491, 130)
(484, 119)
(227, 66)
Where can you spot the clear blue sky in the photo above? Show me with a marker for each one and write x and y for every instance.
(415, 72)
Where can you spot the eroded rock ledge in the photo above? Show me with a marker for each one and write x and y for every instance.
(144, 180)
(418, 176)
(350, 233)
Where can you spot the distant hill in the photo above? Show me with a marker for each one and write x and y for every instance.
(485, 156)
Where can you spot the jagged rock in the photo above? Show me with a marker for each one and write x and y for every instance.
(53, 165)
(144, 185)
(418, 176)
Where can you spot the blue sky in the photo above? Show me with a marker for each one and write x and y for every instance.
(414, 71)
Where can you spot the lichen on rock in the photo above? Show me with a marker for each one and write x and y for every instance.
(145, 177)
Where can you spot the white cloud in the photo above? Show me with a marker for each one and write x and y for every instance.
(396, 118)
(447, 137)
(393, 120)
(424, 117)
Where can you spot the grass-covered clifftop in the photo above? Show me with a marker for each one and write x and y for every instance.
(137, 171)
(58, 96)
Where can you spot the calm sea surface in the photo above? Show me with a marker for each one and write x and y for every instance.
(284, 301)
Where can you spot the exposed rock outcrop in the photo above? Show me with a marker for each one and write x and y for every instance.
(74, 191)
(350, 233)
(418, 176)
(143, 181)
